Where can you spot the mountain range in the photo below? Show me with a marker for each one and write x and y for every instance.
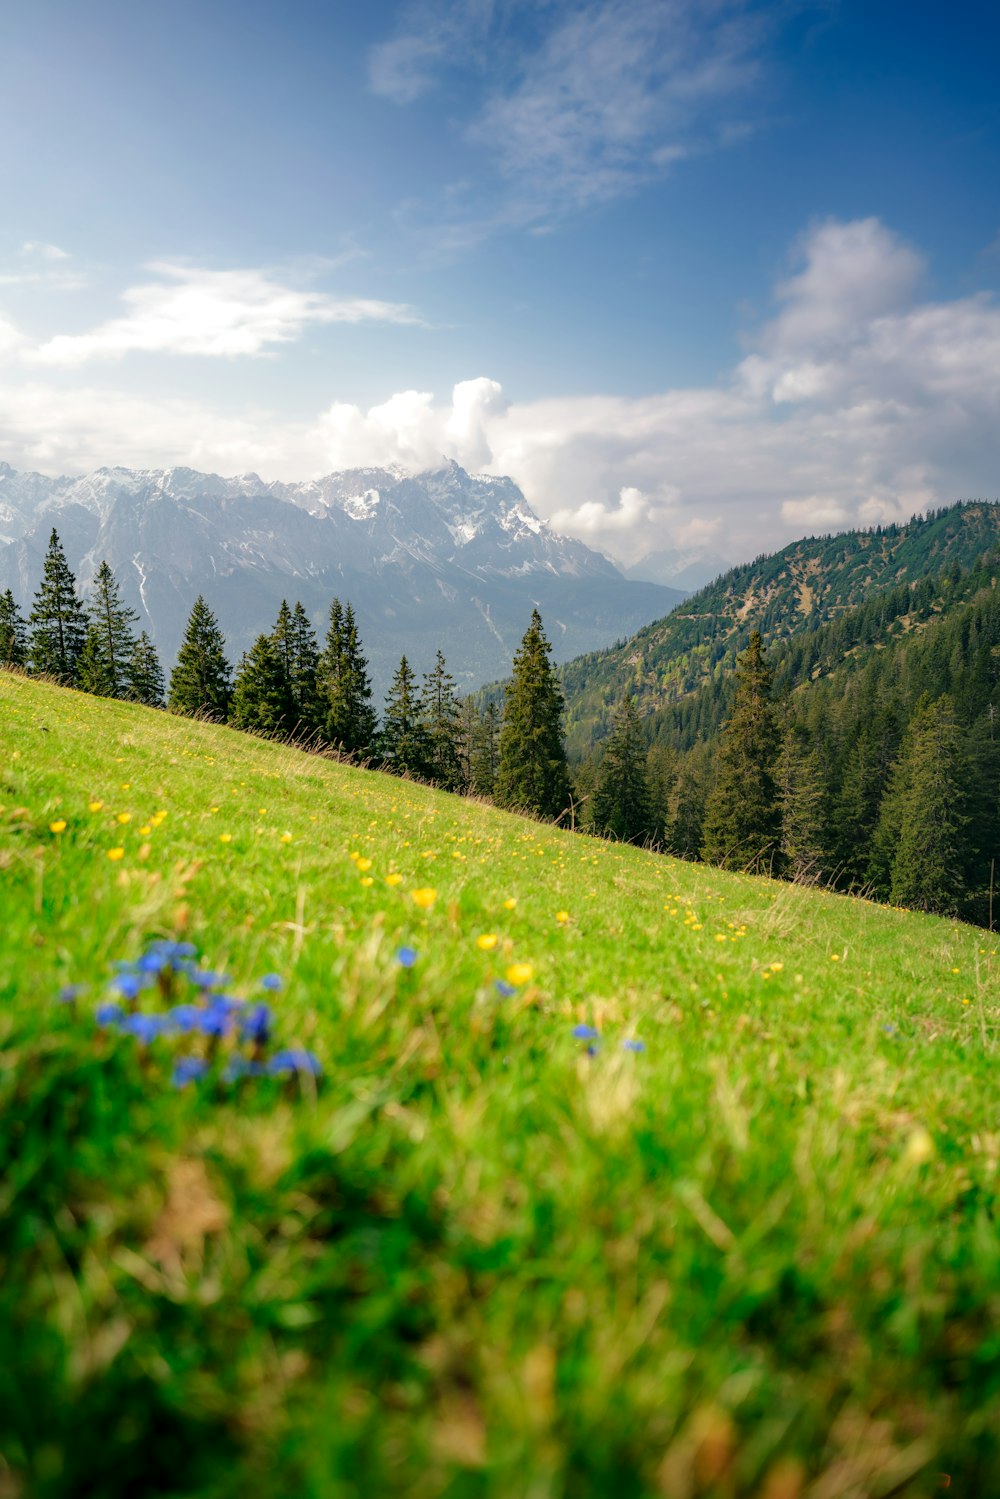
(441, 559)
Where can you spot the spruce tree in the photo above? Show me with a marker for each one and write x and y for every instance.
(442, 723)
(305, 673)
(145, 674)
(484, 752)
(621, 806)
(262, 700)
(925, 819)
(532, 775)
(13, 633)
(802, 798)
(742, 814)
(404, 745)
(104, 662)
(344, 685)
(58, 620)
(199, 683)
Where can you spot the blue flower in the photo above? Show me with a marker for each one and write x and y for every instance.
(585, 1033)
(205, 979)
(216, 1020)
(185, 1017)
(144, 1028)
(406, 957)
(273, 982)
(188, 1070)
(255, 1024)
(70, 993)
(129, 985)
(109, 1014)
(295, 1059)
(505, 990)
(630, 1045)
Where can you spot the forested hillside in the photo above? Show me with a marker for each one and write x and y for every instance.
(795, 591)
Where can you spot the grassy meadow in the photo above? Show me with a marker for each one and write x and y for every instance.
(623, 1177)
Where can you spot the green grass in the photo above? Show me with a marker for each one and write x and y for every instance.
(759, 1258)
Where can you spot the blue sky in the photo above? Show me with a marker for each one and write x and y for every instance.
(697, 273)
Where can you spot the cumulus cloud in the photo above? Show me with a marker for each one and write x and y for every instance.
(851, 407)
(216, 314)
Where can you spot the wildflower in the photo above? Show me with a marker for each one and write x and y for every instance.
(392, 880)
(225, 837)
(109, 1014)
(184, 1017)
(520, 973)
(285, 838)
(835, 957)
(505, 990)
(59, 826)
(919, 1147)
(406, 957)
(362, 865)
(206, 980)
(123, 817)
(114, 854)
(144, 832)
(95, 806)
(585, 1033)
(367, 880)
(144, 1028)
(562, 917)
(70, 993)
(272, 981)
(486, 941)
(129, 985)
(633, 1045)
(424, 897)
(510, 903)
(255, 1024)
(188, 1070)
(295, 1059)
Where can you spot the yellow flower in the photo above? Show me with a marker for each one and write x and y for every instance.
(520, 973)
(486, 942)
(59, 826)
(919, 1147)
(96, 806)
(367, 880)
(393, 880)
(510, 903)
(285, 838)
(562, 917)
(835, 957)
(363, 864)
(123, 817)
(424, 897)
(145, 832)
(225, 837)
(114, 854)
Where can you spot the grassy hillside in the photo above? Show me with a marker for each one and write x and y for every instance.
(797, 590)
(736, 1238)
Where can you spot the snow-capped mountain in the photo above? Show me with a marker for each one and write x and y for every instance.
(439, 559)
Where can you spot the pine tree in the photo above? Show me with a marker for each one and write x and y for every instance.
(442, 722)
(13, 633)
(58, 620)
(925, 819)
(199, 683)
(484, 754)
(262, 700)
(104, 662)
(742, 815)
(802, 798)
(621, 806)
(345, 686)
(404, 745)
(305, 673)
(532, 775)
(145, 673)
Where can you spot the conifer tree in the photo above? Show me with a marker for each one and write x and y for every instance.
(345, 686)
(802, 798)
(305, 673)
(686, 826)
(58, 620)
(262, 701)
(199, 683)
(404, 745)
(621, 806)
(442, 722)
(484, 752)
(532, 775)
(145, 673)
(924, 823)
(13, 633)
(742, 815)
(110, 642)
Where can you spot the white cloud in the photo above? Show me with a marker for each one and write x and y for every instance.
(849, 409)
(37, 248)
(217, 314)
(44, 265)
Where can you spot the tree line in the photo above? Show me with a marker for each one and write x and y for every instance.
(287, 684)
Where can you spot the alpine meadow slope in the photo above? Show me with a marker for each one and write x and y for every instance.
(621, 1176)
